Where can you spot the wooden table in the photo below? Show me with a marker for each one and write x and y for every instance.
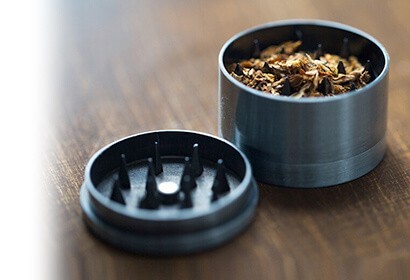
(132, 66)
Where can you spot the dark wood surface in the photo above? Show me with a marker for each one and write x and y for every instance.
(130, 66)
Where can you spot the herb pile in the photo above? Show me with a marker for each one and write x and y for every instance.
(282, 70)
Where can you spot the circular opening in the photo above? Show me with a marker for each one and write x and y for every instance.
(314, 32)
(172, 143)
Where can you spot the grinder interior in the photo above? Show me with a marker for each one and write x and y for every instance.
(168, 192)
(337, 39)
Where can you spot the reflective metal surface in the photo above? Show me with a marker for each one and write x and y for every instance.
(311, 142)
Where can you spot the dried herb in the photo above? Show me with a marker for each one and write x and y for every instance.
(282, 70)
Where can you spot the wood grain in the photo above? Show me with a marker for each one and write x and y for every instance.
(130, 66)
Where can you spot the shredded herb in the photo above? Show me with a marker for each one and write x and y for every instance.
(282, 70)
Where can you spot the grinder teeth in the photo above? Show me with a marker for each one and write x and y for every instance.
(123, 174)
(193, 168)
(197, 167)
(188, 182)
(326, 86)
(187, 201)
(150, 200)
(369, 68)
(116, 194)
(344, 51)
(238, 70)
(286, 88)
(266, 68)
(299, 34)
(341, 68)
(158, 161)
(256, 49)
(151, 168)
(220, 185)
(319, 51)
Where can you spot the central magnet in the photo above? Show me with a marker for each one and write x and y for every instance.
(168, 192)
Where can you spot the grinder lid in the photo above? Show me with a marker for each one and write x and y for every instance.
(168, 192)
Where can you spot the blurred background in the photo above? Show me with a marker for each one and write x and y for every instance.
(145, 51)
(124, 67)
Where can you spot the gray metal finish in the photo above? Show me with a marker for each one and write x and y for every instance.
(169, 244)
(168, 230)
(310, 142)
